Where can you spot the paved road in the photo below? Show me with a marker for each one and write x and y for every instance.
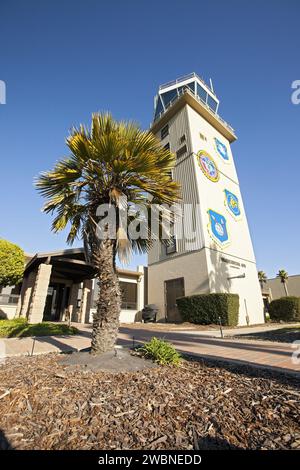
(265, 354)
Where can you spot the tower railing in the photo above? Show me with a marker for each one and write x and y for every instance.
(186, 77)
(186, 89)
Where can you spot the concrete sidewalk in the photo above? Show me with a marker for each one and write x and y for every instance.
(266, 354)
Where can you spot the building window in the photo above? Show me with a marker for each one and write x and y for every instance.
(172, 246)
(202, 136)
(181, 151)
(164, 132)
(182, 139)
(167, 146)
(202, 94)
(169, 96)
(129, 295)
(159, 108)
(212, 103)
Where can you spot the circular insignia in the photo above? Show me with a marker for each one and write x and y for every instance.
(221, 149)
(208, 166)
(232, 203)
(219, 229)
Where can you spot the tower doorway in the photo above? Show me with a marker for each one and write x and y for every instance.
(174, 288)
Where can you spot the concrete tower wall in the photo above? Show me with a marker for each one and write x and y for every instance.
(210, 264)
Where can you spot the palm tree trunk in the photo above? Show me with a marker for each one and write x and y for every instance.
(106, 318)
(286, 289)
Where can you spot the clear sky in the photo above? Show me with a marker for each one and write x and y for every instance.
(63, 59)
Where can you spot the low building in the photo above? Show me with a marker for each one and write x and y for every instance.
(275, 288)
(61, 285)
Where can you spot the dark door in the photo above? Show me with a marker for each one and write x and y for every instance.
(56, 302)
(173, 289)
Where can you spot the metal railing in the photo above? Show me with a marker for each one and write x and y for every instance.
(186, 89)
(8, 299)
(186, 77)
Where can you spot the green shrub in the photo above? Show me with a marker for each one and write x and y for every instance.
(285, 309)
(160, 351)
(206, 309)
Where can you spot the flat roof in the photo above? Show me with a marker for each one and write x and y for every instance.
(59, 255)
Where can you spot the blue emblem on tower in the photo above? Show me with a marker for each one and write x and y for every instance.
(217, 228)
(221, 149)
(232, 204)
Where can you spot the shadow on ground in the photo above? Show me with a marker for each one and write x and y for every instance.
(214, 443)
(4, 442)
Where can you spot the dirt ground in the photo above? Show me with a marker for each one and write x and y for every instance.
(45, 405)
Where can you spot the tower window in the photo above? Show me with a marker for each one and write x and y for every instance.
(181, 151)
(212, 103)
(164, 132)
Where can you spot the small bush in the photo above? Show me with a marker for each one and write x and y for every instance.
(285, 309)
(205, 309)
(160, 351)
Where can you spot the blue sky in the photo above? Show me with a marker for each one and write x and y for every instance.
(62, 60)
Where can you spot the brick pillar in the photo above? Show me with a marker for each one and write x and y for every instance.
(72, 307)
(86, 298)
(38, 300)
(26, 294)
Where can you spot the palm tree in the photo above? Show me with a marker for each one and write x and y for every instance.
(109, 162)
(283, 276)
(262, 277)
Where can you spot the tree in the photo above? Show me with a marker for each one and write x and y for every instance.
(283, 276)
(262, 277)
(109, 162)
(12, 262)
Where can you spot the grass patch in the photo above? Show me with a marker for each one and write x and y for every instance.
(160, 351)
(20, 328)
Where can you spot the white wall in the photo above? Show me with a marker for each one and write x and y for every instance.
(130, 315)
(9, 310)
(239, 248)
(191, 266)
(206, 265)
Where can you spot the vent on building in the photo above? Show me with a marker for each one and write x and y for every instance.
(171, 247)
(181, 151)
(202, 136)
(164, 132)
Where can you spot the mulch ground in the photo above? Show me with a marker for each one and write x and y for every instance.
(44, 405)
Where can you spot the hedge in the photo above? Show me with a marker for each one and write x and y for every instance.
(285, 308)
(206, 309)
